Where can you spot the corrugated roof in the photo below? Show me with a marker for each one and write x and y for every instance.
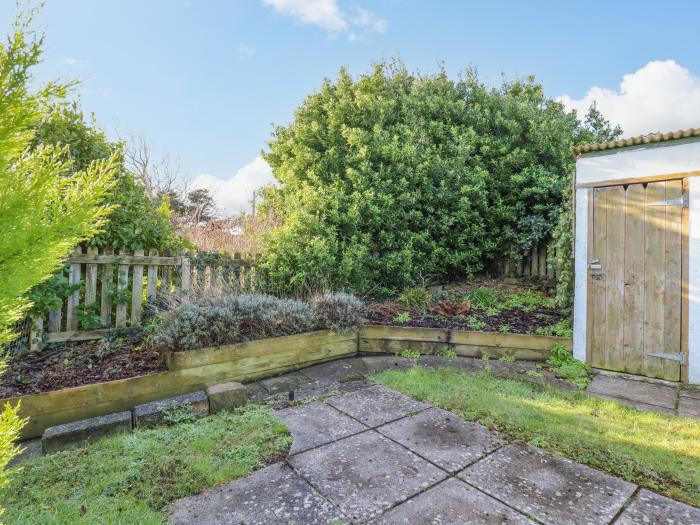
(636, 141)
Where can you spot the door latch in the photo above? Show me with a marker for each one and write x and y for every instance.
(595, 269)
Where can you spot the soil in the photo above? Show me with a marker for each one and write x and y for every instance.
(68, 365)
(517, 321)
(447, 314)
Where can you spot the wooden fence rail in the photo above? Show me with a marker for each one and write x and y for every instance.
(112, 288)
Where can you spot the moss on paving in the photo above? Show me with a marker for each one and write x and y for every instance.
(657, 451)
(129, 479)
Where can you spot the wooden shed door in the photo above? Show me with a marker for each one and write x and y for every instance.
(635, 278)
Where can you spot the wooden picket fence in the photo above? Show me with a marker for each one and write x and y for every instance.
(116, 285)
(535, 265)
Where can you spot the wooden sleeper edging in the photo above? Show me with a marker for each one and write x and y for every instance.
(198, 370)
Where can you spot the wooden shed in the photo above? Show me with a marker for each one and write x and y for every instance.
(637, 256)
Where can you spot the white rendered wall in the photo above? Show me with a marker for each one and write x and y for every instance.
(581, 274)
(694, 281)
(643, 161)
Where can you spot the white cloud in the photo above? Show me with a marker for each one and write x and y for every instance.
(246, 52)
(662, 96)
(72, 61)
(328, 15)
(234, 194)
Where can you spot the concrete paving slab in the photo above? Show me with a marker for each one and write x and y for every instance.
(376, 405)
(302, 386)
(690, 391)
(379, 363)
(366, 473)
(284, 383)
(272, 495)
(443, 438)
(154, 413)
(635, 390)
(336, 371)
(643, 407)
(648, 507)
(316, 424)
(454, 502)
(689, 407)
(256, 392)
(61, 437)
(551, 489)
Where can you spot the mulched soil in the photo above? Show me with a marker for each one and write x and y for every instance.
(64, 365)
(445, 314)
(518, 322)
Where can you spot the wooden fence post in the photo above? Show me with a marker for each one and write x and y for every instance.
(91, 279)
(185, 278)
(74, 299)
(152, 279)
(122, 285)
(136, 291)
(166, 279)
(106, 287)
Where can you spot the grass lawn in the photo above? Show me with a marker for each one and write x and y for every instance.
(657, 451)
(128, 479)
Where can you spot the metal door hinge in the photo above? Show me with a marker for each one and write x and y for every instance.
(681, 201)
(670, 357)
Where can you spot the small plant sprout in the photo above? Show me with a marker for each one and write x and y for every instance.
(415, 298)
(474, 323)
(507, 359)
(402, 318)
(505, 328)
(560, 329)
(409, 354)
(447, 352)
(565, 366)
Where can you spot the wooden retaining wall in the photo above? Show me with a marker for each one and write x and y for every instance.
(198, 369)
(381, 339)
(243, 362)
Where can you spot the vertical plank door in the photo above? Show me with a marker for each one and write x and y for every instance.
(635, 279)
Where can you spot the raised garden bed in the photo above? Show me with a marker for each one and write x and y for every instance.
(66, 365)
(194, 370)
(486, 306)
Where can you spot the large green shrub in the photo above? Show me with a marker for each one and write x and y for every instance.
(392, 178)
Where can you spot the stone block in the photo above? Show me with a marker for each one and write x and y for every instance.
(61, 437)
(226, 396)
(151, 414)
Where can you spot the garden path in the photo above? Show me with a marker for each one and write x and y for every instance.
(368, 454)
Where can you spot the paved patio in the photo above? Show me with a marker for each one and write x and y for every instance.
(652, 395)
(368, 454)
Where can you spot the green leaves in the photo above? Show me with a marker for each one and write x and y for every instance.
(391, 178)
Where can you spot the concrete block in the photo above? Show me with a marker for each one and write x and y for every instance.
(226, 396)
(68, 435)
(151, 414)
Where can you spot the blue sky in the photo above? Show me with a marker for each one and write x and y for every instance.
(204, 81)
